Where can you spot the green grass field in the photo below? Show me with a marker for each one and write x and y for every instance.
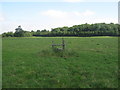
(86, 63)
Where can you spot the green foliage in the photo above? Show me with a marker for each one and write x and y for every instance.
(83, 30)
(19, 34)
(27, 34)
(8, 34)
(89, 62)
(23, 34)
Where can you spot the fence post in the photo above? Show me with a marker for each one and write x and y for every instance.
(52, 44)
(63, 43)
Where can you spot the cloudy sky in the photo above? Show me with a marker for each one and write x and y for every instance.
(55, 13)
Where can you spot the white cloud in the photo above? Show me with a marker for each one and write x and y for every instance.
(1, 17)
(105, 19)
(63, 14)
(73, 0)
(56, 18)
(86, 13)
(75, 18)
(10, 26)
(55, 13)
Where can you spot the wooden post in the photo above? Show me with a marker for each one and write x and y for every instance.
(63, 44)
(52, 44)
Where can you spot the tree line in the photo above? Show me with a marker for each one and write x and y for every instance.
(83, 30)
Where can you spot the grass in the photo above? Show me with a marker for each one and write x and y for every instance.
(85, 63)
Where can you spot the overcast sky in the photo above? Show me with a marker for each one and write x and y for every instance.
(46, 15)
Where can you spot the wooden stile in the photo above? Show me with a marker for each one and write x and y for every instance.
(63, 45)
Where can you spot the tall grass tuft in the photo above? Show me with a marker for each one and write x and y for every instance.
(58, 53)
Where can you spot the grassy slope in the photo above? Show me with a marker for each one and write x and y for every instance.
(93, 63)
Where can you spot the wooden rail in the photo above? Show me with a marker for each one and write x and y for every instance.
(63, 45)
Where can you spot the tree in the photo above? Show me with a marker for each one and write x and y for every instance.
(8, 34)
(83, 30)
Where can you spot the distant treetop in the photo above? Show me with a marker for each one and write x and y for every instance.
(19, 29)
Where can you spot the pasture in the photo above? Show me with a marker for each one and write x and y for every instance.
(87, 62)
